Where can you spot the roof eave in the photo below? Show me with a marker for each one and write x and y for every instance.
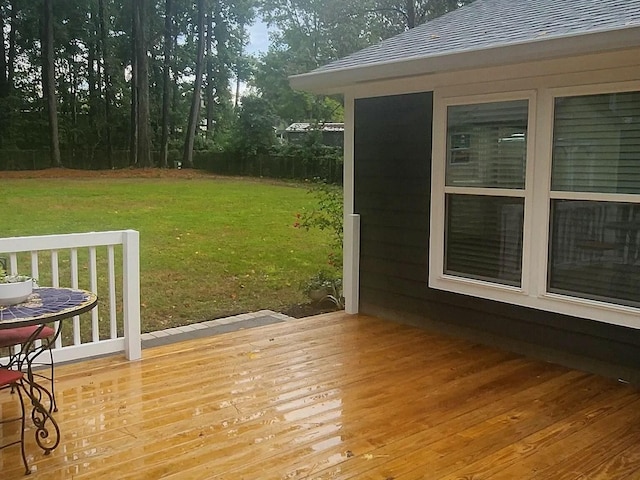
(335, 81)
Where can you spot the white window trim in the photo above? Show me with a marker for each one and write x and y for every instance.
(533, 291)
(438, 190)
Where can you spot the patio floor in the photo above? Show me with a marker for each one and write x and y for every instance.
(334, 397)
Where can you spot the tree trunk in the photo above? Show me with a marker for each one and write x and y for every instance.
(208, 94)
(197, 87)
(411, 14)
(4, 86)
(174, 88)
(236, 100)
(72, 96)
(91, 75)
(11, 60)
(49, 83)
(240, 63)
(166, 83)
(133, 132)
(142, 62)
(102, 12)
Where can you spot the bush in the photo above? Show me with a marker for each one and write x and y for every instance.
(326, 216)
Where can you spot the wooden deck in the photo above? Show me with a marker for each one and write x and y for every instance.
(335, 397)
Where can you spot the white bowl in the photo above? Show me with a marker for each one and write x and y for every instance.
(14, 293)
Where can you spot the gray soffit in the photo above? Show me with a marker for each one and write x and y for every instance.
(487, 33)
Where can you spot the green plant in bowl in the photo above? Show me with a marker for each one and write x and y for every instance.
(14, 289)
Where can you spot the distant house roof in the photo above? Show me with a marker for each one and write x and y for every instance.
(488, 33)
(325, 127)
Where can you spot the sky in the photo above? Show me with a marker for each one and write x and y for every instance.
(259, 38)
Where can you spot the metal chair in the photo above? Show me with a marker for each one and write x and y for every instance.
(12, 379)
(22, 336)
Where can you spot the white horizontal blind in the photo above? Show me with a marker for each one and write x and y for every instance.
(484, 191)
(595, 245)
(484, 238)
(596, 145)
(486, 144)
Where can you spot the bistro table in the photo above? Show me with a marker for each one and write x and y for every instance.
(45, 305)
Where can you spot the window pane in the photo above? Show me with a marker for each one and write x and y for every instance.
(595, 250)
(484, 238)
(486, 144)
(596, 145)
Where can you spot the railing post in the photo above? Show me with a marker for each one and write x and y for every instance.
(131, 294)
(351, 264)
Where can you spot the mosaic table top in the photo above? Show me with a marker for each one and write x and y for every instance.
(47, 304)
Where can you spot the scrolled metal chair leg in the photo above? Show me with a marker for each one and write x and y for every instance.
(12, 380)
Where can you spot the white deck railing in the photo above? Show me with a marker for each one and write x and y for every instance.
(87, 261)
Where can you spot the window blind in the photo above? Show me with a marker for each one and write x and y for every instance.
(483, 238)
(596, 145)
(486, 144)
(594, 249)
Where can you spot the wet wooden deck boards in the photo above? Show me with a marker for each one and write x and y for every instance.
(335, 397)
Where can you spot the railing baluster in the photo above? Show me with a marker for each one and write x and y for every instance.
(55, 282)
(13, 264)
(35, 271)
(55, 269)
(74, 284)
(93, 282)
(113, 323)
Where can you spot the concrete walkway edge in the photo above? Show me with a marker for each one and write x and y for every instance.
(212, 327)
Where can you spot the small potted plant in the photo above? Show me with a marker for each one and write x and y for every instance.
(14, 289)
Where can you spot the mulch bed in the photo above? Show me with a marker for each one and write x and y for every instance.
(301, 310)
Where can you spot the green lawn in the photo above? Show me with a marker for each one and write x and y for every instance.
(208, 246)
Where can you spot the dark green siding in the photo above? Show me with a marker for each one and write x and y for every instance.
(392, 154)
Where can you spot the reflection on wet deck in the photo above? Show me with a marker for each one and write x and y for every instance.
(334, 397)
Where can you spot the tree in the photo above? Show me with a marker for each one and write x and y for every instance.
(106, 61)
(11, 59)
(225, 52)
(194, 113)
(49, 82)
(166, 82)
(254, 133)
(135, 118)
(390, 17)
(143, 142)
(4, 86)
(118, 82)
(271, 79)
(311, 33)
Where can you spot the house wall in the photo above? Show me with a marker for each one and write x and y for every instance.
(392, 165)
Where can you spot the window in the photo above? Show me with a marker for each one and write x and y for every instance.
(483, 237)
(483, 234)
(557, 228)
(595, 239)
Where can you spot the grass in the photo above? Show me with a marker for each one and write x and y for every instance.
(209, 246)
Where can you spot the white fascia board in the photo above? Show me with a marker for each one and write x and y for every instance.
(334, 81)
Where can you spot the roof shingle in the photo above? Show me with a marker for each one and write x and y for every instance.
(491, 23)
